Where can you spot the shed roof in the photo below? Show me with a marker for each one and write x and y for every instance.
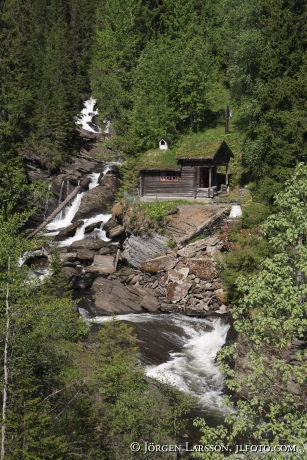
(157, 159)
(208, 145)
(204, 146)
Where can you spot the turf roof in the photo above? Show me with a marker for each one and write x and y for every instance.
(194, 146)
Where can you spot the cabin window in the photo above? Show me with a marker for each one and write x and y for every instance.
(169, 178)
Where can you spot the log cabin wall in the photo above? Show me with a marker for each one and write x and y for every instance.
(179, 183)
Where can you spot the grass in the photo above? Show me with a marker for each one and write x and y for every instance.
(158, 159)
(205, 145)
(147, 218)
(197, 145)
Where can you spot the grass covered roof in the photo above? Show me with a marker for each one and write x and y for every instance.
(194, 146)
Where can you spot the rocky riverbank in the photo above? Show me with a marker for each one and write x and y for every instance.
(133, 274)
(139, 273)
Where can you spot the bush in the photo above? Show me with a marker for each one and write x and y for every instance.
(148, 217)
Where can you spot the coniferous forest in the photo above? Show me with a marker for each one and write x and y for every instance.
(157, 68)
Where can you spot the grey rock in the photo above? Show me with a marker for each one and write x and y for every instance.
(139, 249)
(177, 291)
(68, 231)
(91, 227)
(111, 297)
(113, 228)
(89, 243)
(102, 264)
(84, 254)
(71, 272)
(66, 257)
(104, 251)
(158, 264)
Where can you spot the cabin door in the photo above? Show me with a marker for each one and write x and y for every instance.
(204, 177)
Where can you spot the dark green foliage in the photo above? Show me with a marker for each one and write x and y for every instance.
(267, 81)
(246, 246)
(45, 52)
(155, 72)
(132, 409)
(39, 326)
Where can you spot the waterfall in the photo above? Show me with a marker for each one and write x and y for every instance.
(181, 351)
(65, 217)
(177, 350)
(80, 232)
(87, 115)
(61, 197)
(94, 180)
(235, 212)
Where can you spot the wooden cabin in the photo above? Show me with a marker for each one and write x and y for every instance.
(184, 175)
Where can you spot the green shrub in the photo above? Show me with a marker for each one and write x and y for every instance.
(148, 217)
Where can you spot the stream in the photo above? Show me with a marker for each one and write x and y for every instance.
(180, 351)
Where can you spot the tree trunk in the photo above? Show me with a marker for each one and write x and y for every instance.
(5, 362)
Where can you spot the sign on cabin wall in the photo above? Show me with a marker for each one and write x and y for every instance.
(170, 178)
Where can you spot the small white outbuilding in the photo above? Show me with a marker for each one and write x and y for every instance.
(164, 144)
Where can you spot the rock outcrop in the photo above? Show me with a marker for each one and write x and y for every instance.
(185, 279)
(99, 199)
(193, 220)
(168, 283)
(110, 296)
(139, 249)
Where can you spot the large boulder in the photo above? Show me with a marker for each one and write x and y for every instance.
(85, 255)
(140, 248)
(112, 297)
(159, 264)
(199, 247)
(88, 243)
(69, 231)
(148, 299)
(98, 199)
(89, 228)
(191, 221)
(113, 228)
(177, 291)
(102, 264)
(204, 268)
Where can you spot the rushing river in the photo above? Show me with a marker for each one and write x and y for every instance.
(181, 351)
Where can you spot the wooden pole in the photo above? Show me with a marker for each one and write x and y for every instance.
(59, 208)
(116, 259)
(210, 177)
(226, 180)
(227, 117)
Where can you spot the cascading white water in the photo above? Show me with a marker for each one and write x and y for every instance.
(194, 369)
(94, 177)
(80, 232)
(178, 350)
(193, 344)
(65, 218)
(87, 115)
